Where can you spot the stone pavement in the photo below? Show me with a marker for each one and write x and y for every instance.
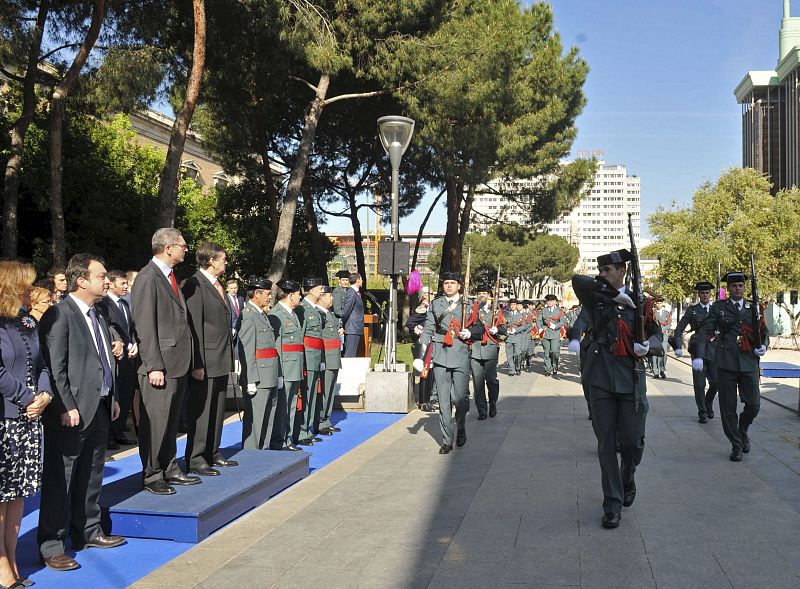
(520, 505)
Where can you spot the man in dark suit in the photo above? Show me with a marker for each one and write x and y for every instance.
(165, 348)
(236, 305)
(117, 312)
(210, 322)
(353, 316)
(76, 345)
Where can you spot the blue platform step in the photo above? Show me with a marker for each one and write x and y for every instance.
(196, 511)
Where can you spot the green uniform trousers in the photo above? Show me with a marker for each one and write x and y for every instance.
(453, 387)
(552, 353)
(311, 404)
(329, 386)
(735, 426)
(289, 415)
(484, 376)
(260, 426)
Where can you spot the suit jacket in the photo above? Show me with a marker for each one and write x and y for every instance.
(288, 333)
(120, 329)
(236, 315)
(353, 313)
(725, 318)
(14, 367)
(162, 326)
(70, 353)
(255, 336)
(210, 323)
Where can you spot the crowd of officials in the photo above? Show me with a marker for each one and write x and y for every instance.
(84, 350)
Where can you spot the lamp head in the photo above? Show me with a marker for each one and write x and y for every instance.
(395, 133)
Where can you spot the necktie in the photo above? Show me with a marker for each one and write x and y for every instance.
(220, 292)
(108, 380)
(235, 300)
(123, 306)
(174, 284)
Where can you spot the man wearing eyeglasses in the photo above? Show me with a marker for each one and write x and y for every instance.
(165, 348)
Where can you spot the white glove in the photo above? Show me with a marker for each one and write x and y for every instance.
(418, 329)
(624, 299)
(512, 331)
(574, 346)
(493, 330)
(464, 334)
(678, 352)
(760, 351)
(280, 382)
(641, 349)
(418, 364)
(251, 389)
(697, 365)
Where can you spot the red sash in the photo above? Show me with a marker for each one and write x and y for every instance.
(264, 353)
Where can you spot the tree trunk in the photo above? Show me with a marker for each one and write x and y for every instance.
(283, 238)
(18, 131)
(57, 109)
(170, 174)
(422, 229)
(317, 243)
(451, 248)
(270, 190)
(357, 237)
(466, 214)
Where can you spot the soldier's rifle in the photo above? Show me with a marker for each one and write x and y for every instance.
(464, 301)
(757, 318)
(636, 283)
(496, 295)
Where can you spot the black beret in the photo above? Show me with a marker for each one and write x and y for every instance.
(342, 274)
(514, 301)
(287, 285)
(734, 277)
(658, 298)
(484, 288)
(525, 302)
(551, 297)
(326, 289)
(311, 282)
(615, 257)
(451, 276)
(259, 283)
(705, 285)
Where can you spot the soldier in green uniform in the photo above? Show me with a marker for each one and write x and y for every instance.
(549, 322)
(737, 359)
(314, 351)
(449, 358)
(694, 317)
(260, 371)
(483, 359)
(513, 320)
(333, 360)
(615, 375)
(664, 319)
(343, 277)
(288, 331)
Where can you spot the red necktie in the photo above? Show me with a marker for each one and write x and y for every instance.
(220, 292)
(174, 284)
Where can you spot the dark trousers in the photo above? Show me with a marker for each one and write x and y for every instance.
(158, 427)
(260, 426)
(552, 352)
(735, 426)
(705, 401)
(351, 341)
(72, 477)
(289, 414)
(453, 387)
(124, 387)
(484, 376)
(614, 419)
(326, 407)
(206, 405)
(312, 403)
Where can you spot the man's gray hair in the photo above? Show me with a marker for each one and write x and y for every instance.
(164, 237)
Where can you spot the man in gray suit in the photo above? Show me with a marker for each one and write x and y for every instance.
(210, 322)
(165, 348)
(614, 371)
(76, 346)
(483, 359)
(353, 316)
(261, 371)
(449, 358)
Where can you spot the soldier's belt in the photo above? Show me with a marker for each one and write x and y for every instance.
(441, 331)
(332, 344)
(264, 353)
(315, 343)
(292, 348)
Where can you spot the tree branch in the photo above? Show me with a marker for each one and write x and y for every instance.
(57, 49)
(307, 83)
(352, 96)
(8, 74)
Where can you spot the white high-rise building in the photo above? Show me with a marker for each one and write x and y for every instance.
(598, 225)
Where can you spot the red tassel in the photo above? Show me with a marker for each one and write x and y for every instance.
(299, 405)
(319, 387)
(746, 336)
(624, 344)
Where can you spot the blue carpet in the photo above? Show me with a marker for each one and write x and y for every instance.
(119, 567)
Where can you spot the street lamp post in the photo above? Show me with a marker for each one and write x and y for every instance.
(395, 133)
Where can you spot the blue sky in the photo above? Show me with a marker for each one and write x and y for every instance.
(660, 90)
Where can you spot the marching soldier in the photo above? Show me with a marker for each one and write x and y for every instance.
(513, 322)
(332, 360)
(288, 331)
(261, 371)
(737, 360)
(314, 352)
(694, 317)
(549, 322)
(664, 319)
(483, 359)
(532, 336)
(449, 357)
(615, 375)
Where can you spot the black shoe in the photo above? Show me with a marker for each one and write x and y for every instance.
(334, 429)
(291, 448)
(492, 410)
(481, 416)
(306, 442)
(663, 375)
(745, 445)
(159, 488)
(24, 582)
(702, 419)
(611, 520)
(325, 432)
(60, 562)
(445, 449)
(461, 437)
(547, 374)
(630, 495)
(224, 463)
(182, 479)
(736, 455)
(204, 471)
(126, 441)
(112, 445)
(710, 414)
(105, 542)
(316, 439)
